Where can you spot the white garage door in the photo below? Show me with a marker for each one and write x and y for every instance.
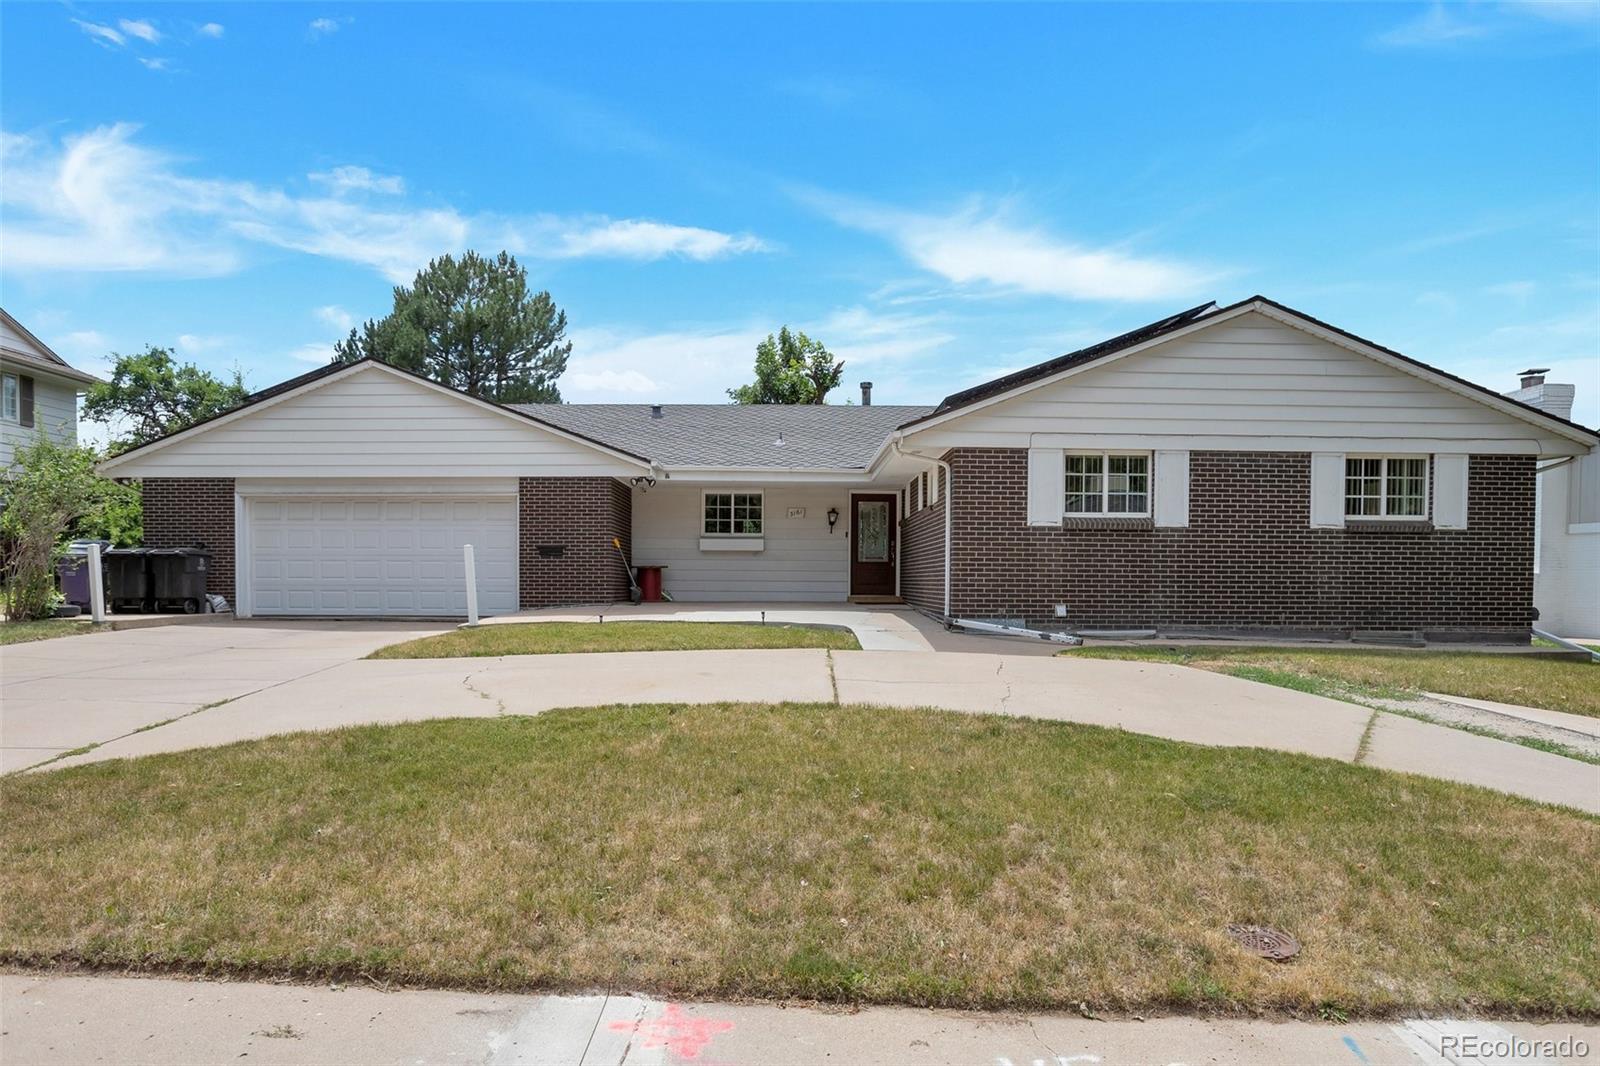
(380, 555)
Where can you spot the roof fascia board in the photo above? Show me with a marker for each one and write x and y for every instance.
(31, 363)
(339, 375)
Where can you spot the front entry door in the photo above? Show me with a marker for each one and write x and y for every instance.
(872, 526)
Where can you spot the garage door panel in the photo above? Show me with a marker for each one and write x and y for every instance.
(380, 555)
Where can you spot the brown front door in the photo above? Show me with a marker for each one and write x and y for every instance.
(872, 526)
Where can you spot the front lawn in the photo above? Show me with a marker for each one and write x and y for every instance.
(45, 629)
(850, 852)
(1532, 681)
(550, 638)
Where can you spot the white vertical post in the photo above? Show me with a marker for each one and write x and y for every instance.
(97, 586)
(472, 586)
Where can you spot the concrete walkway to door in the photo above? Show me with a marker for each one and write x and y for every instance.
(289, 676)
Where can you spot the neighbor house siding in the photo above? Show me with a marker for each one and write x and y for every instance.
(565, 532)
(1249, 560)
(188, 511)
(55, 412)
(922, 553)
(800, 560)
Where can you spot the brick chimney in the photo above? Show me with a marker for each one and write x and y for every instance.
(866, 394)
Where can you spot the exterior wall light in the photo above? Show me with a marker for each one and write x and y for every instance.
(833, 519)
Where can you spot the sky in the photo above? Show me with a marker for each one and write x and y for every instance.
(939, 194)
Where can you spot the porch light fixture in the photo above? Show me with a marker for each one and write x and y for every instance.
(833, 519)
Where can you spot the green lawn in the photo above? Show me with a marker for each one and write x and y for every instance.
(47, 629)
(856, 853)
(549, 638)
(1533, 681)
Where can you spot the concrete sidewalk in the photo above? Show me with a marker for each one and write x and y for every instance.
(75, 1020)
(875, 628)
(1158, 699)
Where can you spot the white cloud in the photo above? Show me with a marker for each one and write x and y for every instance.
(322, 27)
(1445, 25)
(1519, 291)
(159, 63)
(1435, 26)
(642, 239)
(141, 29)
(317, 352)
(982, 246)
(336, 316)
(192, 344)
(359, 179)
(210, 29)
(102, 35)
(101, 201)
(693, 365)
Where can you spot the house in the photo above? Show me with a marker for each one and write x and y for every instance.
(1237, 469)
(38, 390)
(1566, 533)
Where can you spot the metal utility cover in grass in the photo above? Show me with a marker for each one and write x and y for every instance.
(1265, 941)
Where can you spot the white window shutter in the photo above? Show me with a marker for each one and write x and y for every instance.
(1327, 490)
(1047, 486)
(1450, 491)
(1172, 489)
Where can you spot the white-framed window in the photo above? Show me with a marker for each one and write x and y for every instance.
(1386, 486)
(732, 514)
(10, 398)
(1108, 484)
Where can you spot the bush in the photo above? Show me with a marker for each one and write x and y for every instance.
(47, 488)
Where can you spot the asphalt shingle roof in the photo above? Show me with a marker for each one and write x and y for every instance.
(814, 436)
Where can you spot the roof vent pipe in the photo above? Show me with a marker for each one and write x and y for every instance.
(655, 410)
(1534, 376)
(866, 394)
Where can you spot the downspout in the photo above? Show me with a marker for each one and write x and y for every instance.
(949, 509)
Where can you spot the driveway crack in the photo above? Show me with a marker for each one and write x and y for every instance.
(499, 704)
(1005, 683)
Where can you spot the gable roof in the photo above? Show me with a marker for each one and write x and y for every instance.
(335, 371)
(39, 355)
(738, 436)
(1209, 313)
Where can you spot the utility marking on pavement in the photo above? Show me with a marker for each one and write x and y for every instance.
(1355, 1049)
(676, 1031)
(1059, 1060)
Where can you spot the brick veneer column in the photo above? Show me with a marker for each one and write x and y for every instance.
(180, 512)
(922, 553)
(1249, 559)
(579, 516)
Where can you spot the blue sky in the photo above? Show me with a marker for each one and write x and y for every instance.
(940, 194)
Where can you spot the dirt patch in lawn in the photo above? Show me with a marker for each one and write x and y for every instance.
(852, 853)
(554, 638)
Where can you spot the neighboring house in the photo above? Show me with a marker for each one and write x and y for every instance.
(38, 390)
(1566, 540)
(1238, 469)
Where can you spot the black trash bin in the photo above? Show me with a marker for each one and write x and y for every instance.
(128, 580)
(178, 578)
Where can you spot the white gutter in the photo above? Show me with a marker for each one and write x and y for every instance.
(949, 509)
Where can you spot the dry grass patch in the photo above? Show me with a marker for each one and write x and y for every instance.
(551, 638)
(1530, 680)
(808, 850)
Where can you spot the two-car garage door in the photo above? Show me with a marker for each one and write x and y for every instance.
(379, 555)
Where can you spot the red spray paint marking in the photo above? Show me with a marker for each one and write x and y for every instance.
(680, 1034)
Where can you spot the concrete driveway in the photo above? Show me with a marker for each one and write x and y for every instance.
(109, 689)
(59, 695)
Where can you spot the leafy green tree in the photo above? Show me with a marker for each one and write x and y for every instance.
(790, 368)
(150, 395)
(115, 512)
(47, 487)
(473, 325)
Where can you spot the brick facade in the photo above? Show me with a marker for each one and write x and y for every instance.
(180, 512)
(1249, 560)
(922, 554)
(578, 516)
